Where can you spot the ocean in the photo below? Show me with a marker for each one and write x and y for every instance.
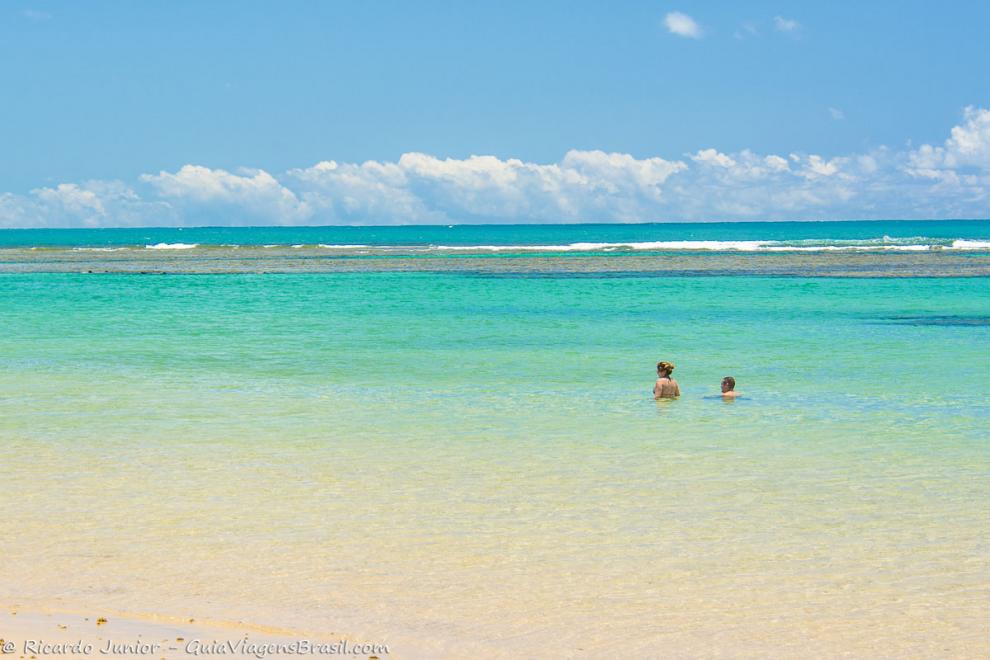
(445, 438)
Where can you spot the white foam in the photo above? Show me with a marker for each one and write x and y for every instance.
(172, 246)
(963, 244)
(868, 245)
(916, 244)
(589, 247)
(847, 248)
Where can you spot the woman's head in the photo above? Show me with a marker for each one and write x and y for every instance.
(728, 384)
(665, 368)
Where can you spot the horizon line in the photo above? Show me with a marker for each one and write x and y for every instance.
(501, 224)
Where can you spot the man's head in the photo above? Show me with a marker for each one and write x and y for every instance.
(728, 384)
(664, 369)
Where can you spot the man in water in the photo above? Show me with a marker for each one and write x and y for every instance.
(665, 387)
(729, 388)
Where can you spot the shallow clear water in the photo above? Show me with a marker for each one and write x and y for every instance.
(476, 463)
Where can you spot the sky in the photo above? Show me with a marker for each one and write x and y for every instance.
(370, 112)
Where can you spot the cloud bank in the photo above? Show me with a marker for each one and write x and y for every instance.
(948, 180)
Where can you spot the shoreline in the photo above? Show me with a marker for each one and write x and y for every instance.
(32, 634)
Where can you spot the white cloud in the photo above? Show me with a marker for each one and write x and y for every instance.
(424, 188)
(776, 163)
(15, 211)
(836, 114)
(254, 191)
(951, 179)
(816, 166)
(964, 158)
(782, 24)
(713, 157)
(682, 25)
(366, 193)
(957, 172)
(88, 204)
(73, 199)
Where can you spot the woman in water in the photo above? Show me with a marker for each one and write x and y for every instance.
(665, 387)
(729, 388)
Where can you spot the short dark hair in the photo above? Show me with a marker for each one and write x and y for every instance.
(730, 381)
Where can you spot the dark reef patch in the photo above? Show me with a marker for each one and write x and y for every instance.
(964, 321)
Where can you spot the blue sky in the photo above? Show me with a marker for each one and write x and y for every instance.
(122, 113)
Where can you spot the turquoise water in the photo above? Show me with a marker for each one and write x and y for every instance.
(398, 455)
(467, 235)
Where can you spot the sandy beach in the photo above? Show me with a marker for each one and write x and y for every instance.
(43, 633)
(31, 634)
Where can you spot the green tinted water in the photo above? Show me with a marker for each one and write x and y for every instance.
(403, 454)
